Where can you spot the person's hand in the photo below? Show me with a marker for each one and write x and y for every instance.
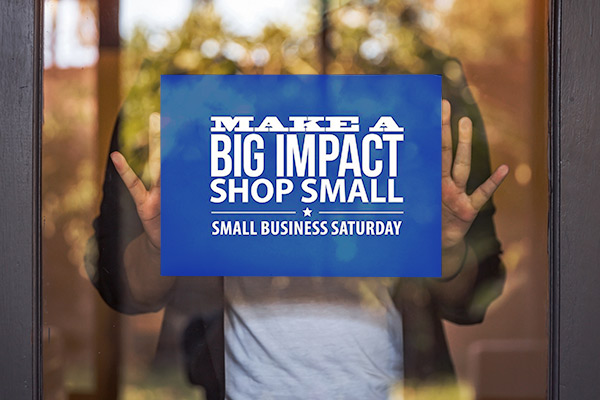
(458, 208)
(146, 201)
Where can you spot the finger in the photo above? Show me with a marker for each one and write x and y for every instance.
(462, 161)
(134, 184)
(154, 147)
(446, 139)
(485, 191)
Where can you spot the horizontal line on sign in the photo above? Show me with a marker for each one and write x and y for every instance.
(253, 212)
(361, 212)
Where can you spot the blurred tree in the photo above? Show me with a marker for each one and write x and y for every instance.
(340, 37)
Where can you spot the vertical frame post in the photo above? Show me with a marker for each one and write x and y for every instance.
(20, 250)
(574, 240)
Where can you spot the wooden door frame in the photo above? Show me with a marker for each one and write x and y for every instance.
(20, 195)
(574, 219)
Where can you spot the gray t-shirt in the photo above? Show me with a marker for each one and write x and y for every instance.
(311, 338)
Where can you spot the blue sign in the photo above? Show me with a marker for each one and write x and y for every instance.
(309, 175)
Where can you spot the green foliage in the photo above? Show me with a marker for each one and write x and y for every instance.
(361, 37)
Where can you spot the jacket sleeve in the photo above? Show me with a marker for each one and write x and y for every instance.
(114, 228)
(481, 237)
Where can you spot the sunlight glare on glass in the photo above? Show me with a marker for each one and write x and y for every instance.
(154, 15)
(64, 47)
(248, 18)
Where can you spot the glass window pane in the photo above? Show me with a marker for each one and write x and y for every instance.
(110, 329)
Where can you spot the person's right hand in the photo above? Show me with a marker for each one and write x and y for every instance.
(146, 201)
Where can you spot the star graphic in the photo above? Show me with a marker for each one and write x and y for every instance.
(307, 212)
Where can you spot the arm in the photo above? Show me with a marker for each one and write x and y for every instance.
(469, 246)
(122, 261)
(142, 271)
(142, 255)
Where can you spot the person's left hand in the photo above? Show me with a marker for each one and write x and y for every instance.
(458, 208)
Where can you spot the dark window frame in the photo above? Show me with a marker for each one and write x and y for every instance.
(574, 219)
(574, 222)
(20, 194)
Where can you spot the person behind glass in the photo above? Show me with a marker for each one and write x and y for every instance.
(451, 295)
(311, 337)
